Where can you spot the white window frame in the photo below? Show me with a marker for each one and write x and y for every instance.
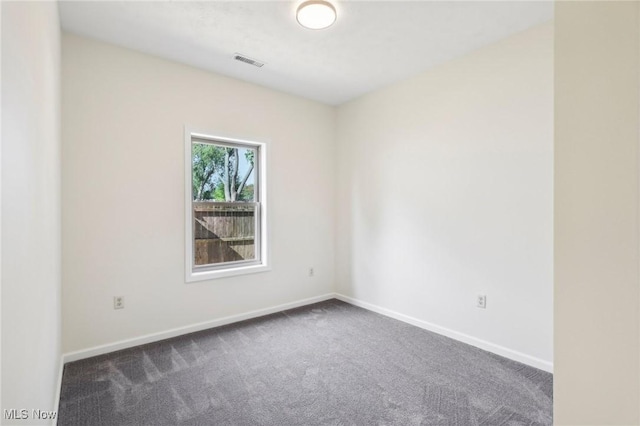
(228, 269)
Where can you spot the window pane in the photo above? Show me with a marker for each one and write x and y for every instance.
(223, 232)
(223, 173)
(226, 222)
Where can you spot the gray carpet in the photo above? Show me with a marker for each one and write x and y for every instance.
(325, 364)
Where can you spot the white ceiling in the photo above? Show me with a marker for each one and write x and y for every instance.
(371, 45)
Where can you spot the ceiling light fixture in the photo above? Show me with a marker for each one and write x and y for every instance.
(316, 14)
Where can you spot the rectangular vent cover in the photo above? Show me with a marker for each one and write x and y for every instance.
(245, 59)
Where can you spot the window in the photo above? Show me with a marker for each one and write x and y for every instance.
(225, 186)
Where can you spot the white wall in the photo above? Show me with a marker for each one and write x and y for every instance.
(123, 192)
(597, 297)
(30, 205)
(445, 191)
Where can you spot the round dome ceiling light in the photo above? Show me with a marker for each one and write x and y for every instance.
(316, 14)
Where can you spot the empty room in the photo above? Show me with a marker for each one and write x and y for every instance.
(320, 212)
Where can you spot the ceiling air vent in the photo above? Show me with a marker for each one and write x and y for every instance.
(245, 59)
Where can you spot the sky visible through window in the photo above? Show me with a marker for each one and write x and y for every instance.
(211, 183)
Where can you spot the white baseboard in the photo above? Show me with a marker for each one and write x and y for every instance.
(154, 337)
(56, 401)
(465, 338)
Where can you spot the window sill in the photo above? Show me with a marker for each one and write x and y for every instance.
(223, 273)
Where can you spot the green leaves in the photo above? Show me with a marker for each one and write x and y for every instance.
(206, 161)
(215, 173)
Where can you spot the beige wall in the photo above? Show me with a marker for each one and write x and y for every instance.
(30, 206)
(596, 214)
(123, 193)
(445, 192)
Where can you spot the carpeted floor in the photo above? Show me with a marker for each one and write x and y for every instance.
(325, 364)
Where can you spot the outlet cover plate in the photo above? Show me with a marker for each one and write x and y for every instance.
(482, 301)
(118, 302)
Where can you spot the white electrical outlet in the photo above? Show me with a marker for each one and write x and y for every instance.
(311, 271)
(118, 302)
(481, 301)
